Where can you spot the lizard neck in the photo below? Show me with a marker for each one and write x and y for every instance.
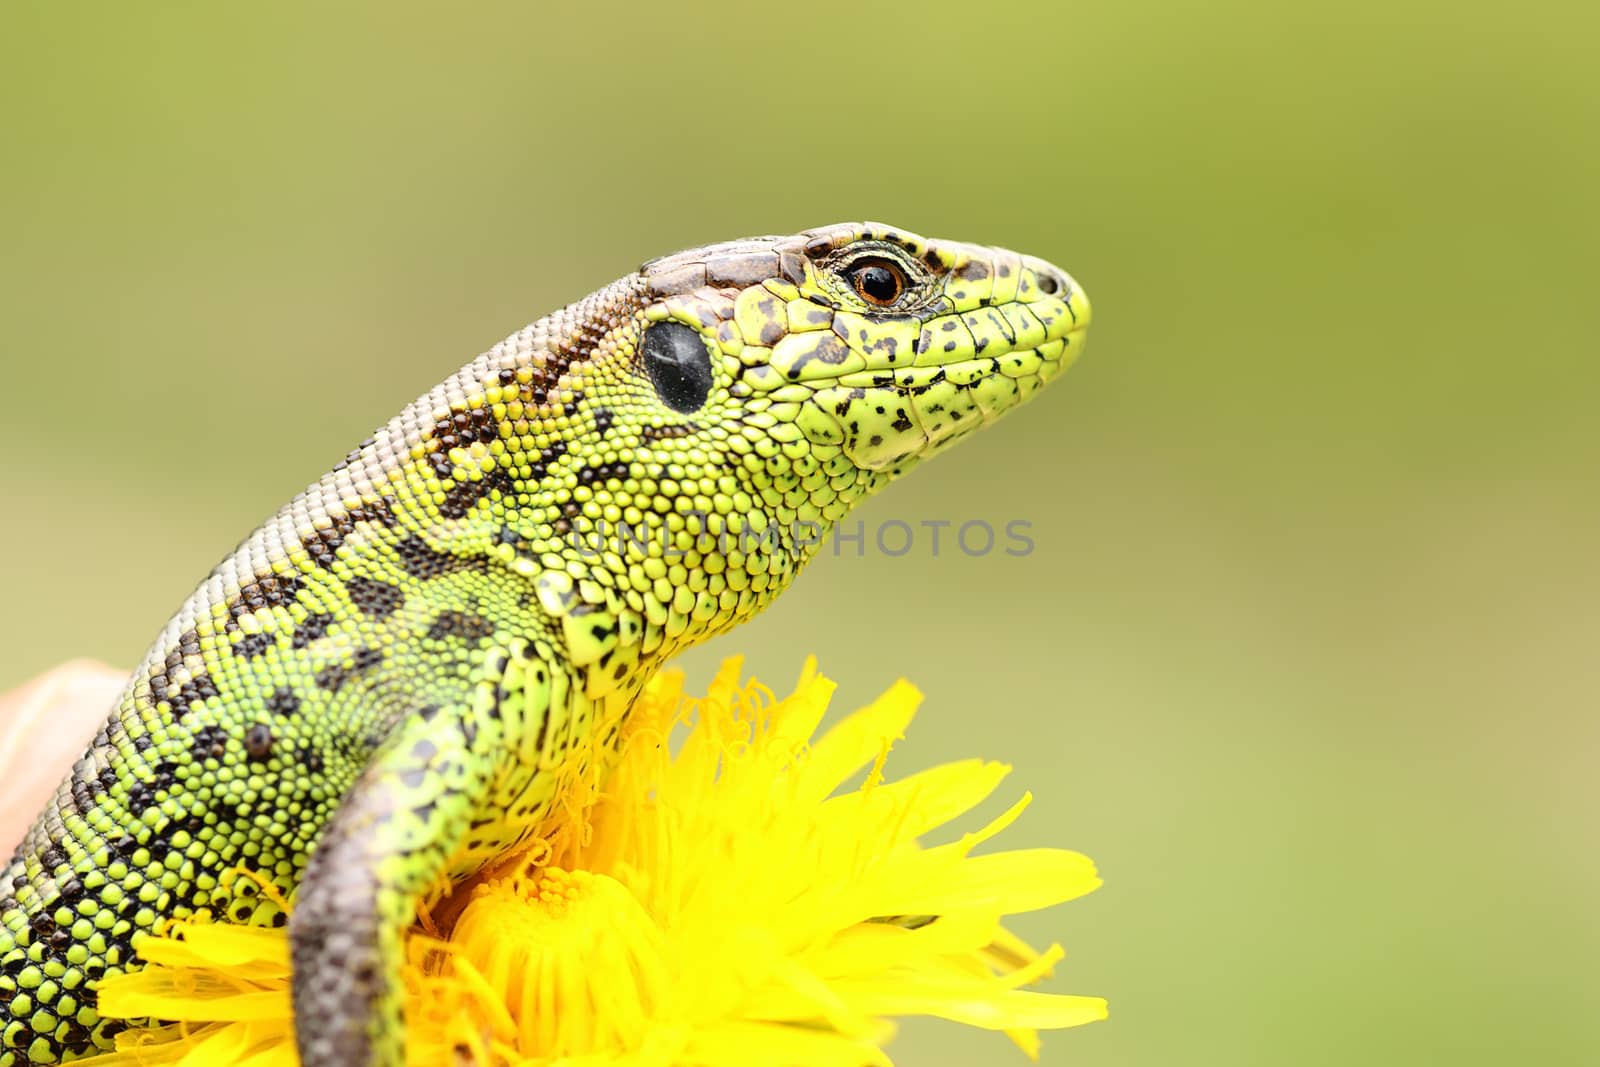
(624, 599)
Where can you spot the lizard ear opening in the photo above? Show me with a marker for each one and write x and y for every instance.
(679, 365)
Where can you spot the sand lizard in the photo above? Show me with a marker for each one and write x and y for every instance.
(380, 687)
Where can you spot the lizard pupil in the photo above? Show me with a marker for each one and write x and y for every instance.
(878, 281)
(679, 365)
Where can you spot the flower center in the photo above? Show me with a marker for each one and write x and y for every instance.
(570, 956)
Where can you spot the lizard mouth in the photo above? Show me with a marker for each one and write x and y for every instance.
(884, 417)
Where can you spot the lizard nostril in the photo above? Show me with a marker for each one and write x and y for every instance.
(1049, 283)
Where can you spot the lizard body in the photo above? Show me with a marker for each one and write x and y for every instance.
(382, 685)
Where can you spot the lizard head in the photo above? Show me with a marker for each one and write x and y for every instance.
(686, 436)
(864, 343)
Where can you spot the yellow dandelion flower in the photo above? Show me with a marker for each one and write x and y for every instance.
(721, 903)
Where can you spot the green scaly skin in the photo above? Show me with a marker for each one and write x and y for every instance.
(381, 687)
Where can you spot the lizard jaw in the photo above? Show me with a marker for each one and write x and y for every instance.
(891, 416)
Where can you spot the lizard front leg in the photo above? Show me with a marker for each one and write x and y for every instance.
(430, 801)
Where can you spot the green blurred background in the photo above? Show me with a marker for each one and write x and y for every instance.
(1305, 653)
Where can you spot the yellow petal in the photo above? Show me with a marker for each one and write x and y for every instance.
(199, 944)
(924, 801)
(861, 738)
(160, 993)
(735, 1044)
(1004, 883)
(972, 1002)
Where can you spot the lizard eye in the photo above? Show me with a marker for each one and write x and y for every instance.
(679, 365)
(877, 280)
